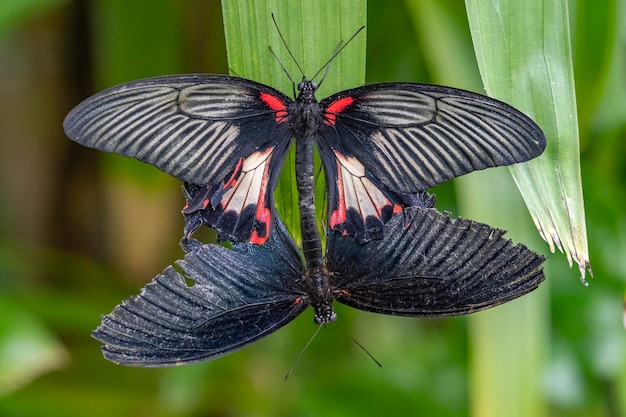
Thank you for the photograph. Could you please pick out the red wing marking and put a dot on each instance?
(232, 181)
(201, 200)
(263, 214)
(277, 105)
(338, 216)
(335, 108)
(251, 189)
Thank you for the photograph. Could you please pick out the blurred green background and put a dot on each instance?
(80, 231)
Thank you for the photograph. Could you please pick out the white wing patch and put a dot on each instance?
(248, 187)
(357, 192)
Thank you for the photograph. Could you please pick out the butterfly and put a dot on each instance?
(218, 300)
(381, 145)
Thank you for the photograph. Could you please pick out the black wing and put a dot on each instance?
(411, 137)
(430, 265)
(226, 133)
(238, 296)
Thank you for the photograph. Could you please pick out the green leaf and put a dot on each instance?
(507, 344)
(524, 55)
(313, 31)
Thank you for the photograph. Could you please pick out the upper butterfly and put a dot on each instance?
(381, 145)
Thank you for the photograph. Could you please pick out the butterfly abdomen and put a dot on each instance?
(320, 290)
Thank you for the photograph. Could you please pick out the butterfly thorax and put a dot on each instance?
(320, 291)
(305, 112)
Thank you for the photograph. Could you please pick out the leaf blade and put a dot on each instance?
(524, 55)
(312, 31)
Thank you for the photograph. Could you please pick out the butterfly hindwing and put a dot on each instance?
(237, 297)
(242, 207)
(359, 205)
(430, 265)
(411, 137)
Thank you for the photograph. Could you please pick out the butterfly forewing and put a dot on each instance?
(413, 136)
(194, 127)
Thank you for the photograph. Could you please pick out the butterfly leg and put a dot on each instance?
(193, 222)
(193, 216)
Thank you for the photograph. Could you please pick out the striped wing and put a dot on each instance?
(238, 296)
(411, 137)
(228, 134)
(430, 265)
(195, 127)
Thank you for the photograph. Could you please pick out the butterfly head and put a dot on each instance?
(324, 313)
(306, 90)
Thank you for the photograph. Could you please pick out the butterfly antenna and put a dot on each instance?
(295, 362)
(356, 342)
(287, 47)
(367, 352)
(293, 83)
(332, 58)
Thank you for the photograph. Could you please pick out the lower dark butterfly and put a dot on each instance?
(425, 265)
(381, 145)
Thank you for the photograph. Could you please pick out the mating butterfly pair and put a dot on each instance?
(388, 251)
